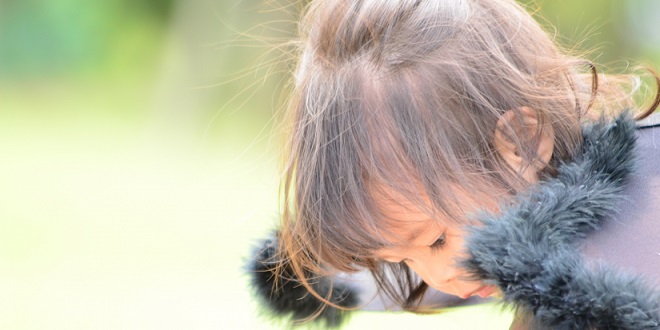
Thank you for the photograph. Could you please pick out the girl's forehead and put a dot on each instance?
(404, 219)
(402, 209)
(409, 203)
(399, 205)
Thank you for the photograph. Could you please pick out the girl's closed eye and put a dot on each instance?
(438, 243)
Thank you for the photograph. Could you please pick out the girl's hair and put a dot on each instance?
(404, 97)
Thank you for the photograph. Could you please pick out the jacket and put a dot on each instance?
(580, 250)
(554, 253)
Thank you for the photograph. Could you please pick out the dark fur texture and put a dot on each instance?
(284, 297)
(529, 249)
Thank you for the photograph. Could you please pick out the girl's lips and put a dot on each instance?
(486, 291)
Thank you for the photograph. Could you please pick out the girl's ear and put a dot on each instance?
(523, 142)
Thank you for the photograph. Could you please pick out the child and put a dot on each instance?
(451, 144)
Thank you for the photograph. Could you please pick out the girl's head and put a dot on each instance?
(408, 116)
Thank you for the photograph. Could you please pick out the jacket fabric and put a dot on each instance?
(578, 251)
(631, 238)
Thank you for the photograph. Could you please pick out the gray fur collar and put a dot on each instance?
(529, 249)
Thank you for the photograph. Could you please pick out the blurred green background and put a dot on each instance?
(138, 159)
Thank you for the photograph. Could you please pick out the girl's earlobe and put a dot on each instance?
(524, 142)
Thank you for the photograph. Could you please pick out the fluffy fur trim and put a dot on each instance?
(529, 249)
(283, 297)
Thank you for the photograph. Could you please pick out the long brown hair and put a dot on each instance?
(404, 96)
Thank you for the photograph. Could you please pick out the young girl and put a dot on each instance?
(451, 145)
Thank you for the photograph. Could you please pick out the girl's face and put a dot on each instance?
(431, 247)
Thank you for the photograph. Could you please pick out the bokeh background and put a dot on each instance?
(139, 156)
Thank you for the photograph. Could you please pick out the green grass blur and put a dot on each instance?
(138, 159)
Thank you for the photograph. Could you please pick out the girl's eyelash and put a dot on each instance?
(439, 242)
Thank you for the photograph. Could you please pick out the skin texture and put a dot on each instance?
(431, 245)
